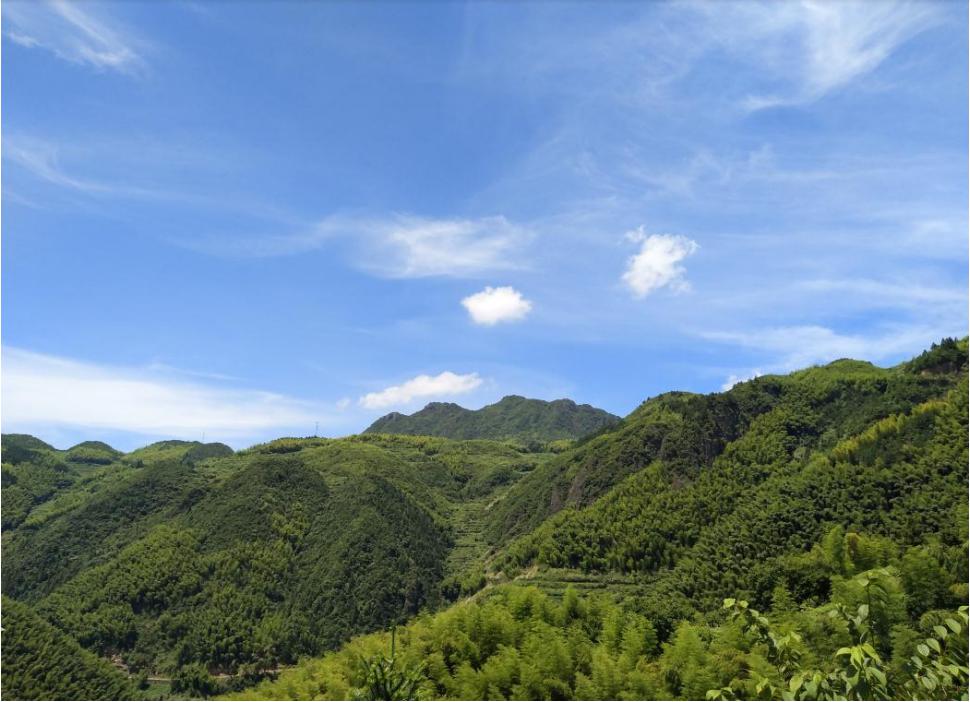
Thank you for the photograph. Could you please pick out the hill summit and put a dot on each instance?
(512, 417)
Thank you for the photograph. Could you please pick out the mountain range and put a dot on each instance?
(729, 545)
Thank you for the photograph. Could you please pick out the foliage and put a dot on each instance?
(518, 643)
(936, 670)
(241, 563)
(194, 681)
(41, 662)
(384, 680)
(771, 492)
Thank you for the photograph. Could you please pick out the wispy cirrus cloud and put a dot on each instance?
(73, 32)
(43, 392)
(803, 49)
(888, 294)
(395, 245)
(815, 47)
(790, 348)
(422, 387)
(99, 169)
(42, 160)
(398, 245)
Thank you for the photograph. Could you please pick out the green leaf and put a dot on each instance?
(923, 649)
(934, 644)
(941, 631)
(954, 625)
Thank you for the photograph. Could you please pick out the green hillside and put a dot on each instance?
(590, 569)
(243, 562)
(512, 417)
(833, 500)
(41, 662)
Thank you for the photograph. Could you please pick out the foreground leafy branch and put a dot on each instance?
(936, 670)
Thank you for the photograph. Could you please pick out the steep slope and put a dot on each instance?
(848, 489)
(256, 558)
(679, 435)
(41, 662)
(513, 417)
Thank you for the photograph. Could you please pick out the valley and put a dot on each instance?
(607, 564)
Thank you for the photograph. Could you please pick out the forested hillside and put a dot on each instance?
(41, 662)
(832, 500)
(512, 417)
(180, 555)
(803, 533)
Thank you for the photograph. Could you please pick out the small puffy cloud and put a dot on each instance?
(494, 305)
(422, 386)
(657, 264)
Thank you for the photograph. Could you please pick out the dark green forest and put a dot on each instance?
(801, 537)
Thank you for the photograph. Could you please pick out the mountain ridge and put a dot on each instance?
(512, 417)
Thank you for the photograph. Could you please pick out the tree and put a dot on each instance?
(194, 680)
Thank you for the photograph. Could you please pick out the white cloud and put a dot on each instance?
(41, 391)
(71, 33)
(399, 246)
(447, 247)
(795, 347)
(818, 47)
(735, 379)
(657, 264)
(41, 159)
(422, 386)
(494, 305)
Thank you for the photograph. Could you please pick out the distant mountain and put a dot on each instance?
(512, 417)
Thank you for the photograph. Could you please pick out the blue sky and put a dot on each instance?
(241, 219)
